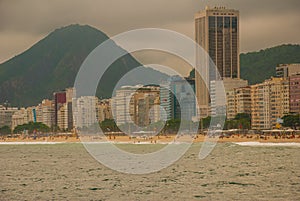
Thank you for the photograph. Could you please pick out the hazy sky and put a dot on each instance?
(264, 23)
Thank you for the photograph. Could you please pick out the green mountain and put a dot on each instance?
(52, 64)
(259, 66)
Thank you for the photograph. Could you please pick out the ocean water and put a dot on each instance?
(230, 172)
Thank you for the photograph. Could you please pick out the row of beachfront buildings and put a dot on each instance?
(59, 112)
(269, 101)
(266, 102)
(138, 104)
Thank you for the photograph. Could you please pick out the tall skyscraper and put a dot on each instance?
(217, 32)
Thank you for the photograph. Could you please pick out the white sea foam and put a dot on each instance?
(268, 144)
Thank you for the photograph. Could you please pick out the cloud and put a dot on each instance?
(114, 15)
(264, 23)
(269, 31)
(14, 43)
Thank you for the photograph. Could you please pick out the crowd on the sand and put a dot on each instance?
(154, 139)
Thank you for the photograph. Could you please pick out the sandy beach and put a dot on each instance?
(155, 139)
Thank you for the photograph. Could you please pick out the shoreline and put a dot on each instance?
(154, 140)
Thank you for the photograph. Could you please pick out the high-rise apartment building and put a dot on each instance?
(104, 109)
(62, 117)
(30, 113)
(219, 99)
(20, 117)
(238, 101)
(146, 106)
(269, 101)
(85, 112)
(122, 109)
(6, 114)
(165, 101)
(294, 82)
(291, 72)
(177, 98)
(70, 94)
(59, 102)
(63, 108)
(137, 104)
(286, 70)
(47, 109)
(242, 100)
(217, 32)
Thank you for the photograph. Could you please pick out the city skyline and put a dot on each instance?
(277, 22)
(217, 30)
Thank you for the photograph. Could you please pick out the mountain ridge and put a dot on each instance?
(52, 64)
(266, 60)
